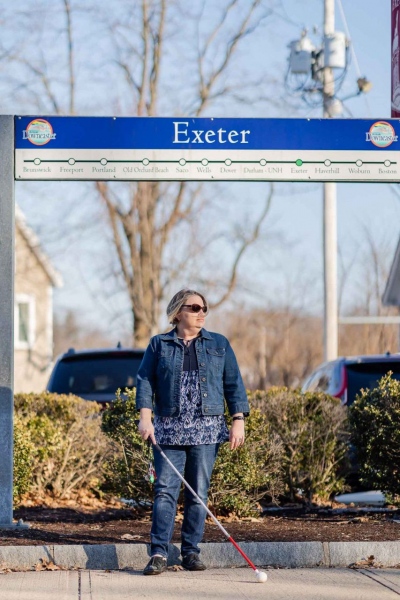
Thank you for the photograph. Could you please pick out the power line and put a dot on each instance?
(285, 17)
(353, 51)
(346, 27)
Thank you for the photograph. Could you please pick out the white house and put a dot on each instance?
(35, 279)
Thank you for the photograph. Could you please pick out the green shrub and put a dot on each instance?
(125, 472)
(311, 428)
(68, 446)
(240, 478)
(23, 451)
(375, 433)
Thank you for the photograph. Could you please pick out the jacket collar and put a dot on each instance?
(173, 336)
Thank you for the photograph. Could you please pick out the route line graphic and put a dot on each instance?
(205, 162)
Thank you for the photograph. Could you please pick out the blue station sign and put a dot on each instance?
(180, 148)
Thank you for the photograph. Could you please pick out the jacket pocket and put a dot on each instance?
(216, 351)
(216, 356)
(165, 360)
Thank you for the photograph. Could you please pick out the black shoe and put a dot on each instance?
(192, 562)
(155, 566)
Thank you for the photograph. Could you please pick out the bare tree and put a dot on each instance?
(71, 332)
(136, 228)
(142, 40)
(276, 346)
(374, 258)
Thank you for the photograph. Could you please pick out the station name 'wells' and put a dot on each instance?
(184, 135)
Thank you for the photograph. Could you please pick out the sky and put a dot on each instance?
(361, 207)
(286, 265)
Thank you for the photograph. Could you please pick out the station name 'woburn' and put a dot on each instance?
(184, 135)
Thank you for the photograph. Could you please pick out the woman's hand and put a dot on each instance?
(236, 434)
(146, 430)
(146, 427)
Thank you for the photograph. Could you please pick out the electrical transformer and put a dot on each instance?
(335, 50)
(301, 56)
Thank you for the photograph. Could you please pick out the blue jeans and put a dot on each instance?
(195, 463)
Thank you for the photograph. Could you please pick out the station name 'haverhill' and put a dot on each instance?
(184, 135)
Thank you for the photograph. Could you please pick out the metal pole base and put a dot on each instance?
(19, 525)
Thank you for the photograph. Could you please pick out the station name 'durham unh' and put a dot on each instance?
(184, 135)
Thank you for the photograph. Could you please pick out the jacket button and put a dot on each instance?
(202, 364)
(205, 395)
(203, 378)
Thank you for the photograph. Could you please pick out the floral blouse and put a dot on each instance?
(191, 427)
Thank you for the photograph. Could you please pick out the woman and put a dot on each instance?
(184, 377)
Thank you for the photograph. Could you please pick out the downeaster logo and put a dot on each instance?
(382, 134)
(39, 132)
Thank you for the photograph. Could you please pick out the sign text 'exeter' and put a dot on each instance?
(184, 135)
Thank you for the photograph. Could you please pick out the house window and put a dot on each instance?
(24, 321)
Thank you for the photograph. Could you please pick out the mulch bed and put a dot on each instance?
(63, 525)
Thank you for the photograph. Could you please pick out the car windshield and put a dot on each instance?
(367, 375)
(96, 374)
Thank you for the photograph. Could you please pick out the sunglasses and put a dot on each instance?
(196, 308)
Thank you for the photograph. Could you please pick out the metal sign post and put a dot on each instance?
(168, 149)
(6, 317)
(395, 59)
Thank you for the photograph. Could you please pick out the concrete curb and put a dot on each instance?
(223, 555)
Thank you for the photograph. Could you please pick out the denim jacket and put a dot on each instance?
(159, 376)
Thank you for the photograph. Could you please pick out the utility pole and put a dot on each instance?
(316, 74)
(330, 211)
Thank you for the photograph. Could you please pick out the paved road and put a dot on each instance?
(214, 584)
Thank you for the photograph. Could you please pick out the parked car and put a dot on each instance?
(344, 377)
(95, 374)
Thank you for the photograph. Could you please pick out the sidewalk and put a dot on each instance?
(221, 584)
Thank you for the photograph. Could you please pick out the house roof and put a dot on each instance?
(33, 242)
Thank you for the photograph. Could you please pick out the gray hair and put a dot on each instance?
(177, 301)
